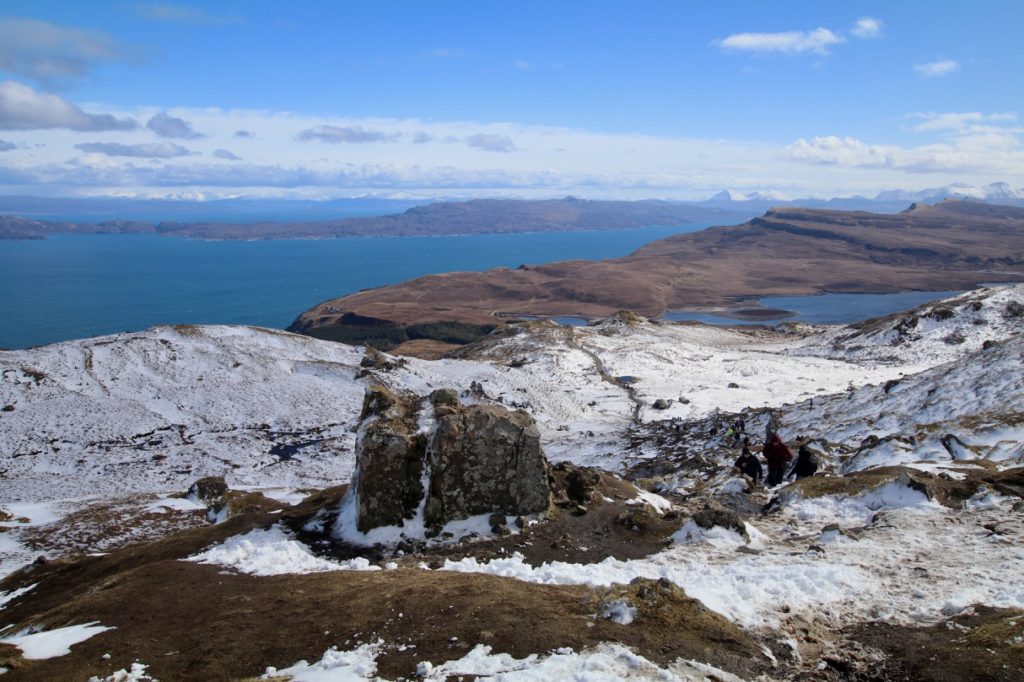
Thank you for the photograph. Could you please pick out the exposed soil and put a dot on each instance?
(190, 621)
(985, 645)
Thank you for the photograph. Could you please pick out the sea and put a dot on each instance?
(72, 287)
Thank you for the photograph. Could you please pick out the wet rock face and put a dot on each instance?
(481, 459)
(389, 459)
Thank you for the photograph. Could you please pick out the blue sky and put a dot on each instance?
(662, 99)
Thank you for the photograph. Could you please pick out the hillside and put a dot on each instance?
(673, 567)
(789, 251)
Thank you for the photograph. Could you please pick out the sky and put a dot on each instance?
(655, 99)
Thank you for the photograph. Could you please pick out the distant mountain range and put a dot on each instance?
(477, 216)
(889, 201)
(37, 218)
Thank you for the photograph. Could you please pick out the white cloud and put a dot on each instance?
(548, 161)
(339, 135)
(491, 142)
(867, 27)
(790, 42)
(958, 121)
(6, 146)
(172, 127)
(226, 155)
(48, 53)
(943, 67)
(22, 108)
(984, 149)
(524, 65)
(245, 134)
(153, 150)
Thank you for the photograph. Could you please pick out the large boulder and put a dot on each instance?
(485, 459)
(480, 459)
(389, 460)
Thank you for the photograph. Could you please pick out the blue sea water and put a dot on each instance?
(79, 286)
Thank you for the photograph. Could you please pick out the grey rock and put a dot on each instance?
(389, 460)
(485, 459)
(480, 459)
(209, 489)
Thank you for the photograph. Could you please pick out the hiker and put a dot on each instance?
(738, 430)
(806, 463)
(777, 454)
(749, 466)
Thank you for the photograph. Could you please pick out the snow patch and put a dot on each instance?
(619, 611)
(136, 674)
(53, 643)
(273, 551)
(334, 666)
(660, 504)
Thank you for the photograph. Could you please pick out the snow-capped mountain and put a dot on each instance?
(996, 192)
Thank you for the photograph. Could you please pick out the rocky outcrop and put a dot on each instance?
(446, 460)
(389, 460)
(485, 459)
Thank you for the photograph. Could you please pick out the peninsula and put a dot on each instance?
(791, 251)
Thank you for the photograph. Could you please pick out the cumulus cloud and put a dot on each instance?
(6, 146)
(943, 67)
(344, 135)
(47, 52)
(244, 134)
(867, 27)
(789, 42)
(226, 155)
(988, 152)
(491, 142)
(155, 150)
(172, 127)
(22, 108)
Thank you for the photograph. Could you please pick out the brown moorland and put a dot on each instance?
(791, 251)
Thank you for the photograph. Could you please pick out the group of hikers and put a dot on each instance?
(777, 457)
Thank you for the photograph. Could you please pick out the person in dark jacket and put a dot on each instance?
(749, 466)
(806, 463)
(777, 454)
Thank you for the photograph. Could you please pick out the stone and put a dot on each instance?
(209, 489)
(662, 404)
(714, 515)
(580, 483)
(486, 459)
(479, 459)
(374, 359)
(389, 460)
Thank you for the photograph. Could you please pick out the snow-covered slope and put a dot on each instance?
(158, 409)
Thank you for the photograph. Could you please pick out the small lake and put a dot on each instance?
(822, 309)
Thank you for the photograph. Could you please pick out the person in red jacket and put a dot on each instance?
(777, 455)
